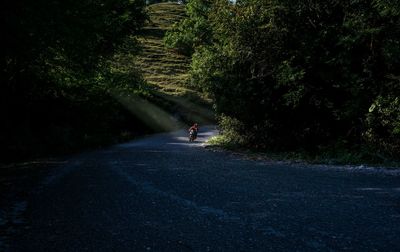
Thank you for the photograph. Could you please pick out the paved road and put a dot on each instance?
(161, 193)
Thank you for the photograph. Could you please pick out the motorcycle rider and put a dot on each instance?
(195, 129)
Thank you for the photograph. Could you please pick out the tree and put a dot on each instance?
(193, 31)
(54, 53)
(300, 74)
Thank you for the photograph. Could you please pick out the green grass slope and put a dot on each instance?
(166, 71)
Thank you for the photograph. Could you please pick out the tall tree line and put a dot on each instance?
(294, 74)
(56, 74)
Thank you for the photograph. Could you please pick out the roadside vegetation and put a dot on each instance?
(315, 77)
(283, 76)
(58, 73)
(83, 74)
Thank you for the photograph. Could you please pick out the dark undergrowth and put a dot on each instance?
(338, 155)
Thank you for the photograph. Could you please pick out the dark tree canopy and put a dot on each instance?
(290, 74)
(54, 63)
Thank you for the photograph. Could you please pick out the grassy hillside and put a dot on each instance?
(166, 71)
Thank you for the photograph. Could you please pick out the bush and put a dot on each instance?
(383, 122)
(55, 78)
(301, 75)
(193, 31)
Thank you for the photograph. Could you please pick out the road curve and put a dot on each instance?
(161, 193)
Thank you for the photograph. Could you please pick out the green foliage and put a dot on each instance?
(56, 73)
(301, 74)
(383, 122)
(193, 31)
(230, 127)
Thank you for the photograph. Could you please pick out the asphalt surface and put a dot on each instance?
(161, 193)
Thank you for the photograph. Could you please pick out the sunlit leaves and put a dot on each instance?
(305, 73)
